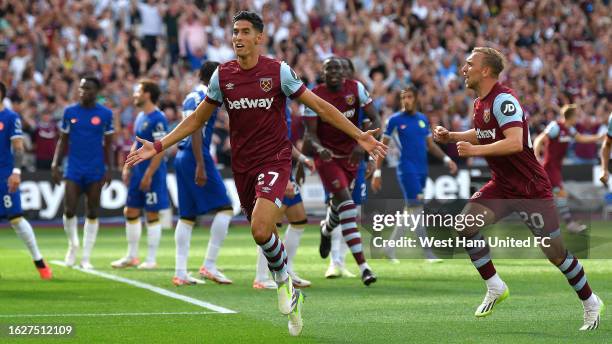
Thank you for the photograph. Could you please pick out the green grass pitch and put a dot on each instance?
(413, 302)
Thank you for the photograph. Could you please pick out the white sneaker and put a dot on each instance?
(299, 282)
(576, 227)
(592, 315)
(125, 262)
(86, 265)
(147, 266)
(285, 294)
(71, 255)
(333, 271)
(492, 298)
(215, 276)
(267, 284)
(296, 323)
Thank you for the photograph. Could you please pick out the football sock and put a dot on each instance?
(575, 275)
(182, 239)
(133, 230)
(25, 232)
(338, 248)
(563, 208)
(70, 227)
(218, 232)
(332, 221)
(348, 224)
(275, 253)
(261, 273)
(495, 282)
(153, 238)
(292, 242)
(478, 250)
(90, 232)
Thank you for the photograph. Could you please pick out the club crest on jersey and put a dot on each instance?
(350, 99)
(95, 120)
(486, 115)
(422, 124)
(265, 84)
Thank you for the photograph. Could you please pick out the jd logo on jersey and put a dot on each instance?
(265, 84)
(508, 108)
(95, 120)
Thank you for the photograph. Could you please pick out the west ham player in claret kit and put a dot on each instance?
(518, 184)
(337, 158)
(555, 141)
(254, 89)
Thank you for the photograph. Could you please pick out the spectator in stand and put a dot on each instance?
(45, 140)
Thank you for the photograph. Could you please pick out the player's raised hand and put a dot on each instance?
(147, 151)
(441, 135)
(465, 149)
(368, 141)
(13, 182)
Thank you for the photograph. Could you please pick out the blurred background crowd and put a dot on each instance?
(558, 52)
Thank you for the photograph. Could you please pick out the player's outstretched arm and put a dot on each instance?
(585, 138)
(186, 127)
(605, 159)
(538, 144)
(334, 117)
(511, 144)
(444, 136)
(196, 145)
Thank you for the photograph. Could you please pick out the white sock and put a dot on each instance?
(133, 230)
(182, 239)
(261, 273)
(90, 231)
(364, 266)
(153, 239)
(344, 249)
(590, 302)
(25, 232)
(70, 227)
(495, 282)
(218, 232)
(336, 240)
(292, 241)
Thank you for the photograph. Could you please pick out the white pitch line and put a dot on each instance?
(152, 288)
(100, 314)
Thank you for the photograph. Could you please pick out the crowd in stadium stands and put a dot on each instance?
(558, 52)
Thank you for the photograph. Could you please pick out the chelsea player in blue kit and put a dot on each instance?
(11, 151)
(147, 188)
(87, 129)
(200, 190)
(411, 132)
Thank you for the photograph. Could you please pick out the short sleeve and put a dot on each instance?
(507, 111)
(552, 130)
(189, 106)
(214, 94)
(610, 126)
(161, 128)
(16, 130)
(109, 128)
(390, 127)
(364, 96)
(291, 85)
(65, 123)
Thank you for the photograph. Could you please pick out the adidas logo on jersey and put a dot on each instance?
(247, 103)
(485, 134)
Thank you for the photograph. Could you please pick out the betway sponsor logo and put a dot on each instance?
(485, 134)
(247, 103)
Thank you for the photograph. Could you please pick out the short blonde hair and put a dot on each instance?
(493, 59)
(568, 111)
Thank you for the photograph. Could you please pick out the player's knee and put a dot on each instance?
(261, 229)
(69, 213)
(190, 220)
(131, 212)
(92, 213)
